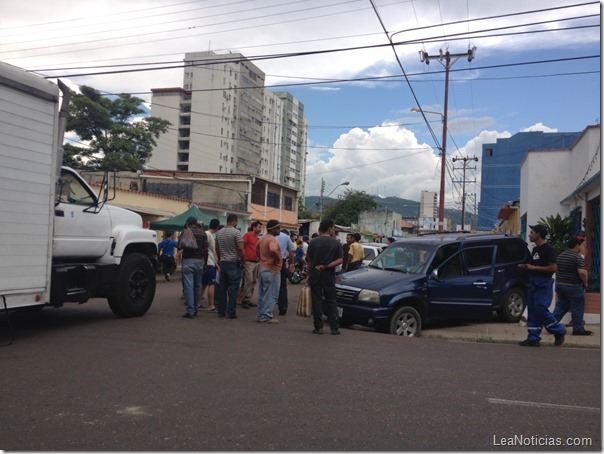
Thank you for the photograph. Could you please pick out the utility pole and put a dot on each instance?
(464, 167)
(450, 60)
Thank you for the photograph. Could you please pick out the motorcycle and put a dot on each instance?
(298, 274)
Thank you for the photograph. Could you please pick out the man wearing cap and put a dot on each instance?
(571, 282)
(540, 292)
(271, 262)
(193, 262)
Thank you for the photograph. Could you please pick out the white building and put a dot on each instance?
(225, 121)
(564, 181)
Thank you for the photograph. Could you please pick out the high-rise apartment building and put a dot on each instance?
(428, 205)
(225, 121)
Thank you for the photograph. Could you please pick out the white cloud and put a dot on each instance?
(383, 160)
(540, 127)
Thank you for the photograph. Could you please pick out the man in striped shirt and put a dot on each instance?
(571, 281)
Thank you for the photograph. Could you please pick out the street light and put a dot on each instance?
(443, 167)
(346, 183)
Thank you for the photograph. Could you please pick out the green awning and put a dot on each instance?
(177, 223)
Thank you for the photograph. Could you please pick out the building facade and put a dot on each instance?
(500, 163)
(566, 182)
(225, 121)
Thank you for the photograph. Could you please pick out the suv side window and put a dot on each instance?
(451, 268)
(479, 260)
(510, 250)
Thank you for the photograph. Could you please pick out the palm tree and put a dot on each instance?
(560, 230)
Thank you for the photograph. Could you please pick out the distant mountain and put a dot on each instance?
(406, 208)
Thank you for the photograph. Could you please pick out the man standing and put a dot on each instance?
(229, 251)
(250, 267)
(571, 281)
(165, 250)
(323, 256)
(355, 253)
(287, 253)
(271, 263)
(209, 277)
(540, 292)
(193, 264)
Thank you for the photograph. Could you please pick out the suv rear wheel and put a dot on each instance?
(513, 305)
(406, 322)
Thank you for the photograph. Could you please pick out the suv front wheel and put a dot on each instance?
(513, 305)
(406, 322)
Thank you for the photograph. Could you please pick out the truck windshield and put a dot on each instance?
(70, 190)
(404, 257)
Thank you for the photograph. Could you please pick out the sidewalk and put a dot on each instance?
(508, 333)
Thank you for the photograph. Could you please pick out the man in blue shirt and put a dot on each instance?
(165, 250)
(287, 252)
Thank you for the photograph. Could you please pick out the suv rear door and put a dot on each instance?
(462, 286)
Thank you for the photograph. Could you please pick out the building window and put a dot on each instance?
(272, 200)
(288, 203)
(488, 152)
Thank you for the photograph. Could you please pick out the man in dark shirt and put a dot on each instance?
(194, 261)
(540, 292)
(323, 256)
(571, 281)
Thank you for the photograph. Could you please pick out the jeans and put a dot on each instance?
(283, 290)
(323, 292)
(268, 292)
(192, 270)
(168, 265)
(228, 287)
(571, 297)
(540, 293)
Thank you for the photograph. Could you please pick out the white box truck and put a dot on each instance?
(59, 241)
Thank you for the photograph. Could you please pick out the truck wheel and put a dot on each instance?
(135, 287)
(513, 305)
(406, 322)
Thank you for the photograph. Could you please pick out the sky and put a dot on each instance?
(536, 67)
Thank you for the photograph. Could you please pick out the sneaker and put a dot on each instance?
(252, 305)
(583, 333)
(168, 277)
(558, 339)
(245, 306)
(269, 321)
(231, 316)
(317, 331)
(335, 332)
(188, 316)
(529, 343)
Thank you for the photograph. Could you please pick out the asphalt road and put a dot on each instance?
(77, 378)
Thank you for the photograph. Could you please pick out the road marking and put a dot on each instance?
(542, 405)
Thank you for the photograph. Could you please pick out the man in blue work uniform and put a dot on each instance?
(540, 292)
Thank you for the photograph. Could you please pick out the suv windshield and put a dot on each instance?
(404, 257)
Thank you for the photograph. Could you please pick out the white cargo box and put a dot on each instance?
(28, 150)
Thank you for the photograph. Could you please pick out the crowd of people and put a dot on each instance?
(224, 266)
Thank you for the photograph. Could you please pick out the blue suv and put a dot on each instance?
(443, 276)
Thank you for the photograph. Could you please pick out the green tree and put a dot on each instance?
(303, 213)
(559, 229)
(116, 140)
(346, 210)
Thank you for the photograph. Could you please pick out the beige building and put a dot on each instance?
(224, 121)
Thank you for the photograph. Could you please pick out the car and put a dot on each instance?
(441, 276)
(371, 251)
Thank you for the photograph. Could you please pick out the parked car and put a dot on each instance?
(371, 251)
(444, 276)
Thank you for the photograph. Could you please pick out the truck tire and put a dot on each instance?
(135, 287)
(406, 321)
(513, 305)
